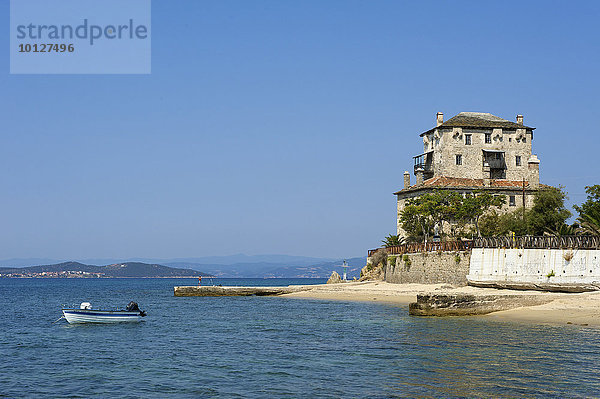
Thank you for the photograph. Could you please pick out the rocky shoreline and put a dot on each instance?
(471, 304)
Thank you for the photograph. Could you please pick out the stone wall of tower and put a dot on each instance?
(450, 142)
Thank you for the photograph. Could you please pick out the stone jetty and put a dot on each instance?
(237, 291)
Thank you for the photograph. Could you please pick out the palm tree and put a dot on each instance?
(393, 240)
(563, 230)
(589, 224)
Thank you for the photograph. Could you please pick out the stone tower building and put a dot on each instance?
(475, 151)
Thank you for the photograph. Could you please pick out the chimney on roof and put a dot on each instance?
(533, 164)
(406, 179)
(419, 176)
(520, 119)
(439, 118)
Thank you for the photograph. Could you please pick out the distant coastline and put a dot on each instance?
(237, 266)
(94, 277)
(117, 270)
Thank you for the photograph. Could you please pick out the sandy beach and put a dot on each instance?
(577, 309)
(562, 308)
(380, 291)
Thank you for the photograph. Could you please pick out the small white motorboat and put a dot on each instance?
(85, 314)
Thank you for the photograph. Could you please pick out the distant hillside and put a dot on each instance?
(277, 270)
(128, 269)
(137, 269)
(282, 266)
(244, 259)
(56, 268)
(290, 260)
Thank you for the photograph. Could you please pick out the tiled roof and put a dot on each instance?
(461, 182)
(479, 120)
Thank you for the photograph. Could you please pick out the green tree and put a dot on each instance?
(475, 205)
(513, 222)
(489, 224)
(547, 214)
(415, 222)
(422, 214)
(548, 211)
(441, 206)
(589, 211)
(592, 205)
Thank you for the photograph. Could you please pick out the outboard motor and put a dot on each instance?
(133, 307)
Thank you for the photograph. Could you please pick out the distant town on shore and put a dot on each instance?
(80, 270)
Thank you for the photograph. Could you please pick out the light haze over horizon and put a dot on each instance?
(273, 127)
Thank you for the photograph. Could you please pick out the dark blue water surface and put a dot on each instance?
(275, 347)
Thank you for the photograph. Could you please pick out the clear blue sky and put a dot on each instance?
(282, 126)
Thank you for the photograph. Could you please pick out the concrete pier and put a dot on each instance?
(237, 291)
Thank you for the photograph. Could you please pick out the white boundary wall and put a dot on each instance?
(523, 266)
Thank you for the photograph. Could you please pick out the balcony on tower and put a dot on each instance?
(424, 162)
(494, 163)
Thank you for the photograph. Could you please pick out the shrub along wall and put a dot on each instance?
(429, 268)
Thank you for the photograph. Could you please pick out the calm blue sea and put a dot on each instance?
(270, 347)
